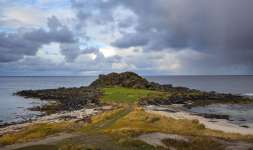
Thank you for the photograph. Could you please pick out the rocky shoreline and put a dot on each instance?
(72, 116)
(73, 99)
(64, 98)
(76, 98)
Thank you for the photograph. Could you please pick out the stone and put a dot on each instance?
(215, 116)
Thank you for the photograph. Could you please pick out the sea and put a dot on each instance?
(15, 108)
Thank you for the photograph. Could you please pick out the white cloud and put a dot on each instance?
(93, 56)
(85, 58)
(108, 52)
(122, 66)
(106, 33)
(51, 52)
(23, 17)
(35, 15)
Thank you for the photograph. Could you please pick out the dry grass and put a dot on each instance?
(139, 121)
(36, 131)
(122, 125)
(99, 119)
(195, 143)
(105, 115)
(69, 146)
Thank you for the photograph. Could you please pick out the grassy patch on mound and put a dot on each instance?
(126, 95)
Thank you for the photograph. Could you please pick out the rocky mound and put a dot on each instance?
(130, 80)
(126, 79)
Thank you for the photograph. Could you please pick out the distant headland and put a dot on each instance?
(76, 98)
(126, 111)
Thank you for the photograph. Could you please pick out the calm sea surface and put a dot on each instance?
(14, 108)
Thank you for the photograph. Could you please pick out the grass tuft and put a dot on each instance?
(35, 132)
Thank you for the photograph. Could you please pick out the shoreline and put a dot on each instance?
(214, 124)
(72, 116)
(175, 112)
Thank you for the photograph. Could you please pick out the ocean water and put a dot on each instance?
(225, 84)
(242, 85)
(238, 114)
(14, 108)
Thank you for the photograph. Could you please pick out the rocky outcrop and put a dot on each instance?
(68, 98)
(76, 98)
(126, 79)
(191, 98)
(131, 80)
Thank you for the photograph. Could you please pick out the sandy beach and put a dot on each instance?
(215, 124)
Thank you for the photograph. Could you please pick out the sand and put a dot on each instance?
(215, 124)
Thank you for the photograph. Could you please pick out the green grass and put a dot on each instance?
(126, 95)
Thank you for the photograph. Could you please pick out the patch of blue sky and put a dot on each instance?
(88, 43)
(53, 4)
(96, 44)
(42, 4)
(7, 29)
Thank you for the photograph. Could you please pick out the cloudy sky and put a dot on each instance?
(151, 37)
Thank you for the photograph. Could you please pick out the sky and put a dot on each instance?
(150, 37)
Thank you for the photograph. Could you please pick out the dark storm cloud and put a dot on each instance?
(216, 24)
(131, 40)
(57, 33)
(222, 29)
(72, 50)
(14, 46)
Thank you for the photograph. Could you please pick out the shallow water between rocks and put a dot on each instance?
(238, 114)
